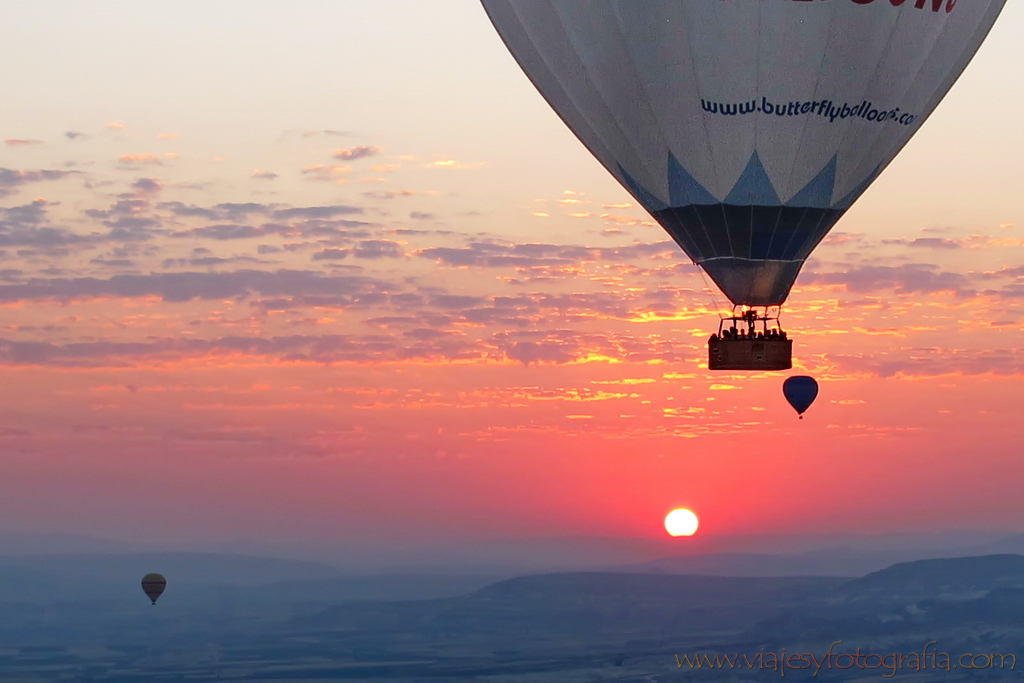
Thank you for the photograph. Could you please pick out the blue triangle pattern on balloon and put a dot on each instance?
(648, 199)
(683, 188)
(754, 187)
(818, 193)
(852, 196)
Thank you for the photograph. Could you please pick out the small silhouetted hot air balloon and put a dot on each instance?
(745, 128)
(153, 585)
(800, 391)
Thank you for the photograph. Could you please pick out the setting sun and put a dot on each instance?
(681, 522)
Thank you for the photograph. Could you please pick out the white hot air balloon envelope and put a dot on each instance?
(745, 127)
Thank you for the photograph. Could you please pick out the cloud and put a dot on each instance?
(929, 242)
(127, 205)
(337, 230)
(129, 218)
(971, 242)
(75, 135)
(911, 278)
(136, 161)
(452, 164)
(44, 238)
(327, 173)
(113, 262)
(235, 209)
(331, 254)
(263, 175)
(935, 362)
(452, 301)
(147, 185)
(11, 179)
(392, 321)
(224, 211)
(527, 352)
(935, 243)
(378, 249)
(181, 287)
(488, 256)
(1005, 271)
(22, 226)
(209, 261)
(428, 333)
(635, 306)
(297, 348)
(837, 238)
(326, 133)
(389, 194)
(1011, 291)
(313, 221)
(224, 231)
(564, 346)
(494, 255)
(556, 346)
(316, 212)
(15, 142)
(356, 153)
(31, 213)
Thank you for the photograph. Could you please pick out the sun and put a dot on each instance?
(681, 522)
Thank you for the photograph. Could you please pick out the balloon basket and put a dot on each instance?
(740, 345)
(750, 354)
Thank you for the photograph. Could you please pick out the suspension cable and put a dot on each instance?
(709, 290)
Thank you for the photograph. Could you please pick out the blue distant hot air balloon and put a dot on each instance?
(800, 391)
(745, 128)
(153, 585)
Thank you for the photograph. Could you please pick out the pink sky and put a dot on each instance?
(328, 329)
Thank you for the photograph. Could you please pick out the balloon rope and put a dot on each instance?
(710, 290)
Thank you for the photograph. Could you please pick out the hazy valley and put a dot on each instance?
(82, 617)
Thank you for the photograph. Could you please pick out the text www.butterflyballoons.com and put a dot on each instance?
(928, 659)
(827, 109)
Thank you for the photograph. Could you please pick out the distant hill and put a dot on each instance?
(651, 607)
(949, 597)
(590, 622)
(939, 576)
(830, 562)
(384, 587)
(853, 561)
(1009, 544)
(647, 605)
(850, 555)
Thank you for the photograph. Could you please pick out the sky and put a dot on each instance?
(335, 271)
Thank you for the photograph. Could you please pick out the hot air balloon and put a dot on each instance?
(746, 128)
(800, 391)
(153, 586)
